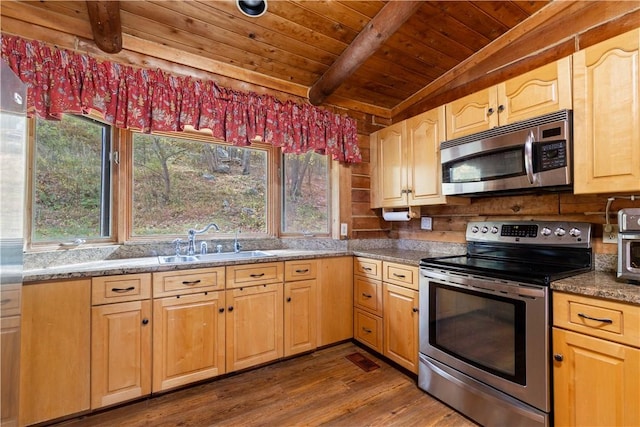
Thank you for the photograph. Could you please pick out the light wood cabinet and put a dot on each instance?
(537, 92)
(606, 79)
(401, 325)
(407, 155)
(55, 350)
(10, 373)
(254, 325)
(596, 367)
(300, 306)
(188, 326)
(335, 300)
(120, 338)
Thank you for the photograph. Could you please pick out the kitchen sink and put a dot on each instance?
(223, 256)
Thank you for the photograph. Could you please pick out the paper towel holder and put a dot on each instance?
(412, 211)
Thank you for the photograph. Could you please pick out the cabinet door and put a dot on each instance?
(10, 373)
(188, 339)
(335, 300)
(606, 80)
(120, 352)
(544, 90)
(401, 326)
(596, 383)
(55, 350)
(473, 113)
(392, 172)
(254, 325)
(299, 316)
(425, 132)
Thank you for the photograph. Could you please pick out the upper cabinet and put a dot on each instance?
(540, 91)
(606, 114)
(407, 169)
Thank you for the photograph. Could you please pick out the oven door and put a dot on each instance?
(491, 330)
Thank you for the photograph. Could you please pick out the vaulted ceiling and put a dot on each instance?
(376, 56)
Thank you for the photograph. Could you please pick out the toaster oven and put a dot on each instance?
(629, 245)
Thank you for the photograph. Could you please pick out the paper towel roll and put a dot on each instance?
(396, 216)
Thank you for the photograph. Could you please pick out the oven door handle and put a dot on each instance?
(528, 157)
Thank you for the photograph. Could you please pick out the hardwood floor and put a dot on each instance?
(322, 388)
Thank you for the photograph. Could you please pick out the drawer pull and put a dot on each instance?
(5, 301)
(402, 276)
(256, 275)
(367, 268)
(306, 270)
(367, 330)
(597, 319)
(191, 283)
(121, 290)
(366, 295)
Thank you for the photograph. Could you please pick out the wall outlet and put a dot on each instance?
(610, 236)
(426, 223)
(343, 229)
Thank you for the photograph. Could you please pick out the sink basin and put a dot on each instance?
(224, 256)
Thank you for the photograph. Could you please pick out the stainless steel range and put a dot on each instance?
(485, 318)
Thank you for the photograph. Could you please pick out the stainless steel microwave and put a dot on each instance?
(529, 155)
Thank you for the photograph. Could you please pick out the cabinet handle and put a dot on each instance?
(366, 268)
(257, 275)
(230, 308)
(490, 111)
(130, 288)
(5, 301)
(288, 299)
(558, 357)
(145, 321)
(367, 330)
(366, 295)
(500, 108)
(221, 309)
(415, 309)
(597, 319)
(306, 270)
(191, 283)
(402, 276)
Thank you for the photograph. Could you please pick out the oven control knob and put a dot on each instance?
(494, 229)
(474, 229)
(560, 232)
(546, 231)
(485, 229)
(575, 232)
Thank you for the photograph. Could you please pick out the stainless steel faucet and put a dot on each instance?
(191, 248)
(237, 246)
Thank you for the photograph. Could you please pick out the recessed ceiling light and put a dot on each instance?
(252, 8)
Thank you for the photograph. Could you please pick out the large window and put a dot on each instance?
(71, 197)
(180, 184)
(306, 194)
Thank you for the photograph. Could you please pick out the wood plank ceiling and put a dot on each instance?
(293, 45)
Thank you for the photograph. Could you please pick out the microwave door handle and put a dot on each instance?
(528, 157)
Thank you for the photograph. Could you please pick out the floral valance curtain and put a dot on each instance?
(62, 81)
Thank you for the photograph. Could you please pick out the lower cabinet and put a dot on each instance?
(401, 325)
(254, 325)
(334, 300)
(188, 339)
(55, 350)
(300, 306)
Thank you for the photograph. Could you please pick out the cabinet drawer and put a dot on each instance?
(10, 300)
(367, 267)
(611, 320)
(171, 283)
(254, 274)
(128, 287)
(367, 294)
(367, 328)
(400, 274)
(300, 270)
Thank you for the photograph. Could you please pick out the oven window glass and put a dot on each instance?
(483, 330)
(485, 167)
(634, 254)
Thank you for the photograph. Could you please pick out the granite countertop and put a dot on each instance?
(601, 284)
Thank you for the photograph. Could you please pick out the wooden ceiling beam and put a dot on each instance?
(104, 17)
(366, 43)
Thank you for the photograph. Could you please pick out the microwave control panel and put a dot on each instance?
(551, 155)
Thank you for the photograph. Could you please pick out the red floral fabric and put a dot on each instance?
(62, 81)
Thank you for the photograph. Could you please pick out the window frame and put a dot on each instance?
(111, 168)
